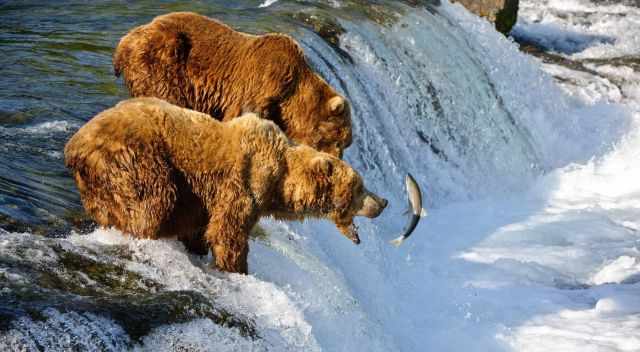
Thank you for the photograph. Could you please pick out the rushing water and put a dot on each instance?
(435, 92)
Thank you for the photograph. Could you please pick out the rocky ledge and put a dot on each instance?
(503, 13)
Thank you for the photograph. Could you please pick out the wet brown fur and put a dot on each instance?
(202, 64)
(152, 169)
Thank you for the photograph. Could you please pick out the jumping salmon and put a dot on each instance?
(414, 196)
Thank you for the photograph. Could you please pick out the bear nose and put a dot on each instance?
(384, 202)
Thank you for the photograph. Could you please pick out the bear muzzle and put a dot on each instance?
(372, 206)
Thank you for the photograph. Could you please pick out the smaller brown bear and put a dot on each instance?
(199, 63)
(152, 169)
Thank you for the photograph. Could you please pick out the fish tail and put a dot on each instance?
(398, 241)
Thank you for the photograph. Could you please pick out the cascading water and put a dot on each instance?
(435, 92)
(406, 83)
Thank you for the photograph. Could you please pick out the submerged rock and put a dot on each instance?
(503, 13)
(73, 220)
(325, 27)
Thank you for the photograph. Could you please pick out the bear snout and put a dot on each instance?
(372, 206)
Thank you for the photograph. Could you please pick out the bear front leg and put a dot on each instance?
(228, 234)
(195, 243)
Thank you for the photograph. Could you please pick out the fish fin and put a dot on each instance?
(398, 241)
(423, 213)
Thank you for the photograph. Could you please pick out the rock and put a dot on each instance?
(503, 13)
(324, 26)
(62, 296)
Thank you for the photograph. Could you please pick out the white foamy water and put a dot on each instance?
(582, 28)
(601, 36)
(52, 126)
(280, 320)
(199, 335)
(42, 128)
(268, 3)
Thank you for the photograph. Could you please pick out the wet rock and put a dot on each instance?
(13, 118)
(322, 20)
(631, 61)
(326, 27)
(549, 57)
(89, 297)
(75, 220)
(503, 13)
(586, 67)
(258, 233)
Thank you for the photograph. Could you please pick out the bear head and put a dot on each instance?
(316, 115)
(321, 185)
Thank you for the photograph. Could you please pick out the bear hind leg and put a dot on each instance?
(134, 195)
(153, 199)
(189, 218)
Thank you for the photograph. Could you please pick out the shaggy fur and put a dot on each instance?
(152, 169)
(201, 64)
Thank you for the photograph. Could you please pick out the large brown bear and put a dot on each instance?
(152, 169)
(201, 64)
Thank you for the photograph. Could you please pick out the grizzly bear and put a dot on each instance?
(152, 169)
(198, 63)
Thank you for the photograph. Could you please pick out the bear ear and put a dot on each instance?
(322, 165)
(336, 105)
